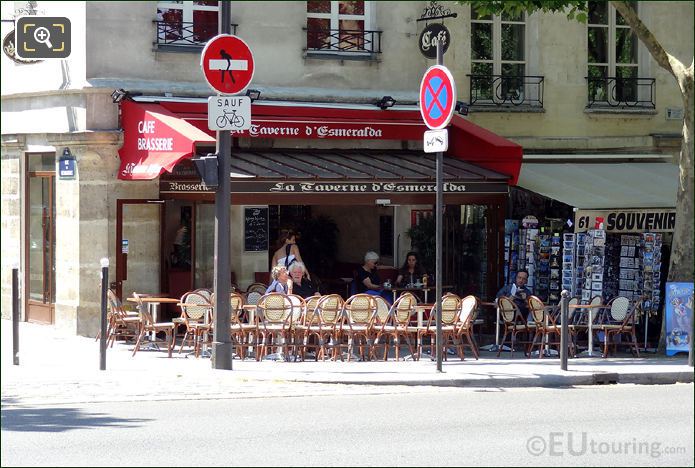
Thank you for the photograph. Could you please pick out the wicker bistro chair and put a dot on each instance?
(619, 319)
(324, 325)
(544, 318)
(451, 305)
(244, 335)
(148, 325)
(274, 323)
(464, 328)
(302, 327)
(381, 319)
(256, 288)
(514, 323)
(296, 335)
(196, 311)
(398, 327)
(359, 313)
(121, 323)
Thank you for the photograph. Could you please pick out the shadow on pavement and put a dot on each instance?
(59, 420)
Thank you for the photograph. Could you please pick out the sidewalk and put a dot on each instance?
(56, 368)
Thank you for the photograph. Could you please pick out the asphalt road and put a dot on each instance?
(616, 425)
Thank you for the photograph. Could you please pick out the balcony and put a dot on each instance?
(621, 93)
(342, 43)
(502, 92)
(185, 36)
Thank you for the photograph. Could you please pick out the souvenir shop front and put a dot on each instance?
(576, 243)
(356, 164)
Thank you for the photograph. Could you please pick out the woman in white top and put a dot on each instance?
(288, 252)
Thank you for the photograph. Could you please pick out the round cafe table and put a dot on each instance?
(396, 291)
(590, 351)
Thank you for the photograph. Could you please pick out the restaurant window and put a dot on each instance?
(340, 27)
(186, 22)
(611, 56)
(498, 56)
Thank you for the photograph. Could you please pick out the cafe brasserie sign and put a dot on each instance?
(335, 187)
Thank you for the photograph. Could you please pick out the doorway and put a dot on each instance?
(40, 238)
(138, 247)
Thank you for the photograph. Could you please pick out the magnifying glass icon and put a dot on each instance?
(43, 36)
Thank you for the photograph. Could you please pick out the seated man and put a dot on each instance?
(301, 285)
(518, 292)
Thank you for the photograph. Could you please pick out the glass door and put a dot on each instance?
(40, 240)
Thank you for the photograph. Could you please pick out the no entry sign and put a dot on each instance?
(437, 97)
(227, 64)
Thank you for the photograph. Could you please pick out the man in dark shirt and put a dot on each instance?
(518, 292)
(301, 286)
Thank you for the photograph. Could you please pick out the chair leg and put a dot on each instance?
(634, 343)
(137, 344)
(171, 335)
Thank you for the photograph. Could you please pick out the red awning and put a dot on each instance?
(154, 140)
(467, 141)
(483, 148)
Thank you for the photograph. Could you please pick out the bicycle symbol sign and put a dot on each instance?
(229, 113)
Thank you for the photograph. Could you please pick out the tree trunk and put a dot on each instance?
(681, 267)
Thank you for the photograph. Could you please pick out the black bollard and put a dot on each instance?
(15, 316)
(104, 289)
(564, 328)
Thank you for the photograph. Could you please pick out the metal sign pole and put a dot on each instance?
(222, 342)
(438, 247)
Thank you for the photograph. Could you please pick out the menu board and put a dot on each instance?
(255, 229)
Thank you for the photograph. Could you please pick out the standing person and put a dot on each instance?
(411, 272)
(281, 281)
(518, 292)
(301, 286)
(368, 280)
(182, 242)
(287, 251)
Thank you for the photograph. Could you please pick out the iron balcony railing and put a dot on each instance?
(506, 91)
(622, 93)
(182, 33)
(343, 41)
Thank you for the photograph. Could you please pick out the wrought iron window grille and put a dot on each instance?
(621, 93)
(435, 11)
(506, 91)
(343, 41)
(185, 33)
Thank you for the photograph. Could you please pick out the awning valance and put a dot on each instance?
(154, 140)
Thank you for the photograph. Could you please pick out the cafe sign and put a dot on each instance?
(307, 187)
(617, 221)
(332, 130)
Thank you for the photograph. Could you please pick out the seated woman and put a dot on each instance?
(281, 281)
(368, 280)
(301, 285)
(411, 272)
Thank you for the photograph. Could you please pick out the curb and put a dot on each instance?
(544, 381)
